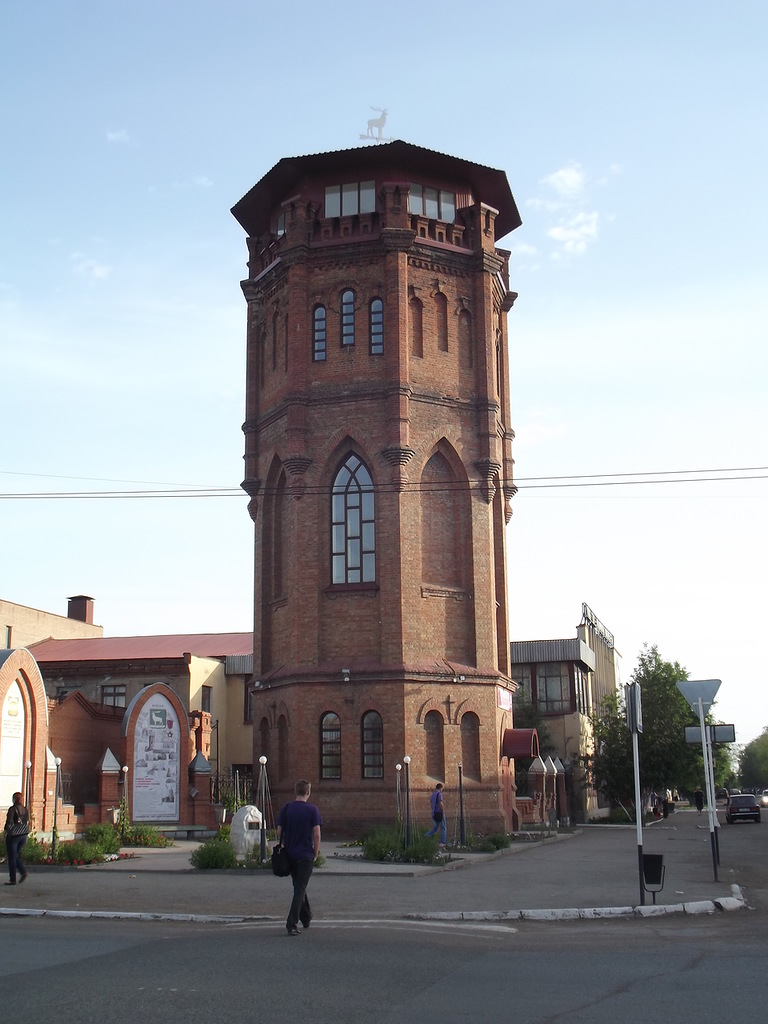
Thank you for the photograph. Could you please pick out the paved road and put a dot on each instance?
(375, 950)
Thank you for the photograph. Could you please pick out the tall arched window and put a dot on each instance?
(465, 339)
(377, 327)
(441, 309)
(417, 327)
(330, 746)
(372, 745)
(442, 525)
(433, 727)
(470, 745)
(319, 341)
(282, 747)
(279, 524)
(348, 317)
(353, 547)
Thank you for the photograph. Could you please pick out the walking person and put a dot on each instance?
(298, 828)
(698, 799)
(16, 832)
(438, 814)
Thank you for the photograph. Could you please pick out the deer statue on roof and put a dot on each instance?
(376, 124)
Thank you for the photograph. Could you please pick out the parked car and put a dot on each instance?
(742, 807)
(764, 798)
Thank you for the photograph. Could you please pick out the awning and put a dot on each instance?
(520, 743)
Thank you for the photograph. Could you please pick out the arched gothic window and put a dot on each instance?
(373, 746)
(348, 317)
(470, 745)
(319, 341)
(377, 327)
(433, 727)
(330, 746)
(353, 547)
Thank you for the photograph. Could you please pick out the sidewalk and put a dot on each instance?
(589, 873)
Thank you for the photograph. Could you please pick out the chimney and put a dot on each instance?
(80, 608)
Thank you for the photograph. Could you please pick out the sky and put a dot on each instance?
(634, 138)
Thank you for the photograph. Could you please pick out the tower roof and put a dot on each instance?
(396, 161)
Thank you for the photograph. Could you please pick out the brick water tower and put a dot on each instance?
(379, 466)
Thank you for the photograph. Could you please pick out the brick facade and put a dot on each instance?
(418, 634)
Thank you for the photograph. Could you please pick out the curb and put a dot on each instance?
(693, 908)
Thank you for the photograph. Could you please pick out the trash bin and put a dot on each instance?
(653, 873)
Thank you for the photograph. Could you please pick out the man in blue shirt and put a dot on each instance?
(438, 814)
(298, 828)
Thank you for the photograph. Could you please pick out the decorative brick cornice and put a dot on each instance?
(488, 470)
(297, 465)
(398, 456)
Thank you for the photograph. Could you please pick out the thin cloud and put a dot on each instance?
(567, 202)
(89, 269)
(575, 234)
(118, 138)
(199, 181)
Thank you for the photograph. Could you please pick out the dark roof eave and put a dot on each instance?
(491, 185)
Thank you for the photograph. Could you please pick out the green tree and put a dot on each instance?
(753, 767)
(610, 766)
(528, 716)
(666, 760)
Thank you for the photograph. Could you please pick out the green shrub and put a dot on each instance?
(145, 835)
(214, 854)
(78, 851)
(105, 837)
(383, 842)
(387, 843)
(499, 840)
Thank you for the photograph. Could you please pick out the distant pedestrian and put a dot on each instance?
(298, 828)
(16, 832)
(698, 799)
(438, 814)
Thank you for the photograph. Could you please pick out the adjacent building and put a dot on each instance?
(566, 681)
(21, 626)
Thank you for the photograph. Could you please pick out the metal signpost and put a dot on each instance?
(700, 694)
(635, 723)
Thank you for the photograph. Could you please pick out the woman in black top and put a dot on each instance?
(16, 832)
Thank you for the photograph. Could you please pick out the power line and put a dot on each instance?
(644, 478)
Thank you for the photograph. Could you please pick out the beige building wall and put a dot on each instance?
(21, 626)
(239, 732)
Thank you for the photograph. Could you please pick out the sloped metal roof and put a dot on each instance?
(136, 648)
(524, 652)
(392, 160)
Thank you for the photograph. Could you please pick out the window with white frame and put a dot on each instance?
(436, 204)
(350, 199)
(353, 537)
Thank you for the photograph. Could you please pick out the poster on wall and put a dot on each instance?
(156, 762)
(11, 745)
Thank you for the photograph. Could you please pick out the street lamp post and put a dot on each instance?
(54, 836)
(263, 806)
(407, 763)
(124, 803)
(398, 770)
(462, 826)
(27, 770)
